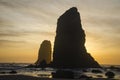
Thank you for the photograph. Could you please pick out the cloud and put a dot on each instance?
(9, 34)
(26, 33)
(24, 21)
(11, 43)
(24, 17)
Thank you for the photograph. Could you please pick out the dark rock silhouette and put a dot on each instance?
(44, 54)
(63, 74)
(96, 71)
(110, 74)
(69, 46)
(43, 64)
(13, 72)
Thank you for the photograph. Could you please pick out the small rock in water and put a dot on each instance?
(2, 72)
(13, 72)
(110, 74)
(96, 71)
(63, 74)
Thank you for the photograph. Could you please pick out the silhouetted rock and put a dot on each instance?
(109, 74)
(63, 74)
(13, 72)
(43, 64)
(44, 53)
(69, 46)
(114, 68)
(96, 71)
(2, 72)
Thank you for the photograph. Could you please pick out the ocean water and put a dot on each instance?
(20, 68)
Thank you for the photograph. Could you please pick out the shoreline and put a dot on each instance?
(26, 77)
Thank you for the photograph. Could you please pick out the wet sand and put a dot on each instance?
(24, 77)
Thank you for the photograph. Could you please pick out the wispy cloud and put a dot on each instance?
(9, 41)
(23, 21)
(11, 44)
(24, 17)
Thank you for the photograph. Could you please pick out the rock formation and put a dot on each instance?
(69, 46)
(44, 53)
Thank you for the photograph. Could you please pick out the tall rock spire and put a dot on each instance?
(69, 46)
(44, 53)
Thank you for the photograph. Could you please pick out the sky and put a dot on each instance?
(24, 24)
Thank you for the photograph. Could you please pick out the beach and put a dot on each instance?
(25, 77)
(20, 72)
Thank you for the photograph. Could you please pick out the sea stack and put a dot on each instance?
(44, 53)
(69, 46)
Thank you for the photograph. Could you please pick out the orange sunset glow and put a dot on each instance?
(24, 24)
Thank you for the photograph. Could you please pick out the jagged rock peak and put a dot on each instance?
(69, 46)
(72, 10)
(71, 13)
(69, 21)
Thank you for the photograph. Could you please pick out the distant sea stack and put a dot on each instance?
(44, 54)
(69, 46)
